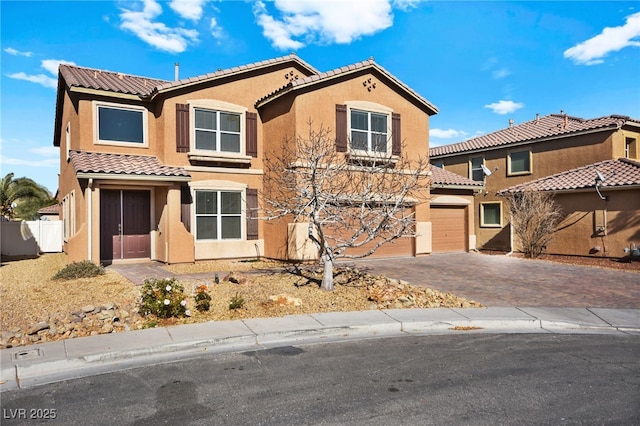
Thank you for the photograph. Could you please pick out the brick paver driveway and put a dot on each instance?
(507, 281)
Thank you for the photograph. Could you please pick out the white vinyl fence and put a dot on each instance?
(31, 238)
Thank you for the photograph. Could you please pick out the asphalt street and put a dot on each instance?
(438, 379)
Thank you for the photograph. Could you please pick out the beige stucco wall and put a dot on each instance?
(579, 233)
(289, 117)
(547, 158)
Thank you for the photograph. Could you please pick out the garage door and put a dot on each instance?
(449, 229)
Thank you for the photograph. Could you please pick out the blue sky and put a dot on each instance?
(481, 63)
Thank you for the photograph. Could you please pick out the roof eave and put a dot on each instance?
(108, 93)
(521, 143)
(132, 177)
(473, 188)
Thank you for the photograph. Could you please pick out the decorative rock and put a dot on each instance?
(88, 309)
(42, 325)
(106, 328)
(285, 299)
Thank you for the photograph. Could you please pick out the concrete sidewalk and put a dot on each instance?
(35, 365)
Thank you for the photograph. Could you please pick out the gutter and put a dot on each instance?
(90, 176)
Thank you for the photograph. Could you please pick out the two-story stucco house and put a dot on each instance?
(559, 154)
(172, 170)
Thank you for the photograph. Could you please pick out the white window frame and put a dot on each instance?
(520, 173)
(370, 107)
(96, 128)
(630, 144)
(218, 107)
(471, 169)
(67, 140)
(483, 224)
(69, 216)
(219, 187)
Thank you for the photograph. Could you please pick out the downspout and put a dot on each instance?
(90, 217)
(510, 234)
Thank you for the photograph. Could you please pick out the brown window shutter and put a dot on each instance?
(341, 128)
(252, 214)
(252, 134)
(182, 128)
(396, 137)
(185, 207)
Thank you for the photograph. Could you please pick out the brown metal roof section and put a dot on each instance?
(552, 126)
(345, 70)
(171, 85)
(617, 174)
(441, 178)
(97, 163)
(89, 78)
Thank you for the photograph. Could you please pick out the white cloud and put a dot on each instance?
(46, 151)
(611, 39)
(446, 134)
(500, 73)
(52, 65)
(157, 34)
(14, 52)
(504, 107)
(216, 30)
(188, 9)
(49, 162)
(49, 65)
(301, 22)
(406, 5)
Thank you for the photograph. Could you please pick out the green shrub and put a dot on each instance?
(236, 302)
(83, 269)
(203, 299)
(163, 298)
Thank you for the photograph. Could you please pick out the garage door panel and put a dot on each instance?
(449, 228)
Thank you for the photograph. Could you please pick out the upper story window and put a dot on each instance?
(438, 163)
(476, 169)
(630, 148)
(369, 131)
(519, 162)
(120, 124)
(217, 130)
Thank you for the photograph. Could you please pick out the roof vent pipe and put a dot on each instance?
(177, 71)
(537, 117)
(511, 122)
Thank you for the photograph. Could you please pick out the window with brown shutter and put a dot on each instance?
(396, 137)
(252, 214)
(185, 206)
(341, 128)
(252, 134)
(182, 128)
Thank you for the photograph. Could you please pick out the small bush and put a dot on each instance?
(203, 299)
(163, 298)
(236, 302)
(83, 269)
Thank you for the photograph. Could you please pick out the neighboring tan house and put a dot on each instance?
(50, 212)
(600, 204)
(532, 150)
(452, 211)
(172, 170)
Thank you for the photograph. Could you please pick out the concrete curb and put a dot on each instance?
(35, 365)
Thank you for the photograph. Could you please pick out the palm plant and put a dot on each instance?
(22, 197)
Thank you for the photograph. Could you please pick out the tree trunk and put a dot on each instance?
(327, 275)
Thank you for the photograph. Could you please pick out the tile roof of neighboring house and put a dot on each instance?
(324, 76)
(441, 178)
(89, 78)
(54, 209)
(129, 166)
(548, 127)
(144, 87)
(617, 174)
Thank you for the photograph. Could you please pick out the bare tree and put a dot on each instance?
(534, 216)
(352, 206)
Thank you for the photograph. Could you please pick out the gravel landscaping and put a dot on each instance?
(36, 308)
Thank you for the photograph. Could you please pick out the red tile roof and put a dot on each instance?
(617, 174)
(89, 78)
(324, 76)
(441, 178)
(144, 87)
(125, 165)
(54, 209)
(548, 127)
